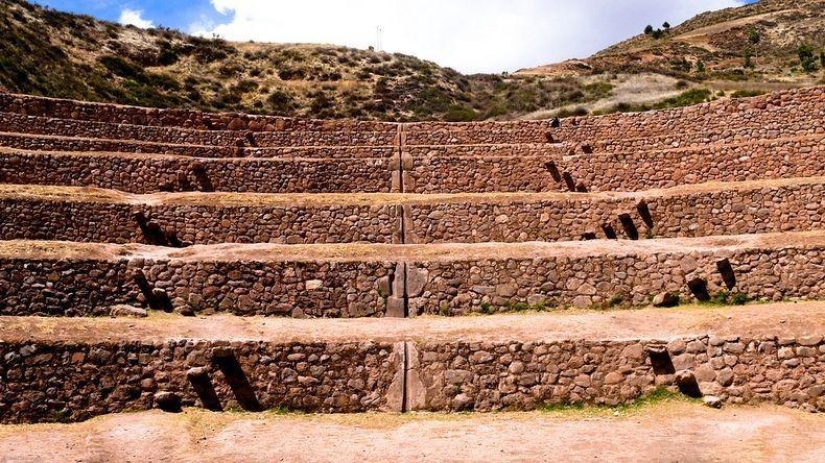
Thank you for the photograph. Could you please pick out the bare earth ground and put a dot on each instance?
(100, 195)
(674, 431)
(782, 320)
(349, 252)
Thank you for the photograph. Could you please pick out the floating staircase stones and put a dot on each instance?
(225, 215)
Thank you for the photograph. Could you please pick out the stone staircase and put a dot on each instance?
(341, 266)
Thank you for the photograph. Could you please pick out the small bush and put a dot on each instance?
(720, 298)
(616, 301)
(122, 68)
(747, 93)
(688, 98)
(460, 114)
(748, 60)
(486, 308)
(575, 112)
(806, 58)
(292, 74)
(246, 86)
(444, 310)
(208, 51)
(726, 298)
(168, 55)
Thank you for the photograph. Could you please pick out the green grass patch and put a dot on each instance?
(726, 298)
(658, 397)
(487, 308)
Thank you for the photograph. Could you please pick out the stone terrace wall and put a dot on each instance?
(738, 210)
(114, 131)
(68, 109)
(726, 163)
(469, 133)
(74, 287)
(465, 376)
(745, 137)
(801, 108)
(67, 381)
(487, 285)
(50, 143)
(471, 174)
(473, 170)
(741, 211)
(539, 276)
(485, 151)
(104, 222)
(74, 381)
(142, 173)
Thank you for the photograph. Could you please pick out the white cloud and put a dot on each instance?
(134, 18)
(469, 35)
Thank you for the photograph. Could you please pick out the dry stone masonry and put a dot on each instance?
(119, 211)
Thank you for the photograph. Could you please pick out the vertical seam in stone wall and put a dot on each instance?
(401, 143)
(405, 364)
(406, 293)
(400, 148)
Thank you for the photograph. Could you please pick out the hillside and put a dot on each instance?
(50, 53)
(45, 52)
(755, 43)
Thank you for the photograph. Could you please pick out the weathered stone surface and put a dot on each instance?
(338, 377)
(127, 311)
(524, 375)
(712, 401)
(665, 300)
(417, 280)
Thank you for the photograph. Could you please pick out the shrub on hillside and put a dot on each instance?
(807, 58)
(280, 101)
(460, 114)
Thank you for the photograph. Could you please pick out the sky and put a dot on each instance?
(468, 35)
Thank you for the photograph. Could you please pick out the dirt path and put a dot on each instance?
(676, 431)
(784, 320)
(106, 196)
(350, 252)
